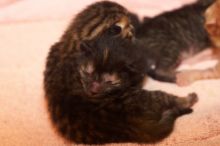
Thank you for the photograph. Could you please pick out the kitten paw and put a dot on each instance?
(186, 78)
(192, 98)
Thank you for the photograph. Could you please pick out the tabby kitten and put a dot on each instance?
(96, 96)
(172, 37)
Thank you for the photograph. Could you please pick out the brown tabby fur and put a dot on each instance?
(93, 83)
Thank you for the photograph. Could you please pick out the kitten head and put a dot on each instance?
(109, 66)
(99, 17)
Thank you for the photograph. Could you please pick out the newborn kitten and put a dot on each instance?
(172, 37)
(212, 25)
(96, 96)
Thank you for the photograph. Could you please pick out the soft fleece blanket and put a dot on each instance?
(27, 30)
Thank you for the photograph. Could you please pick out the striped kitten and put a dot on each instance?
(172, 37)
(96, 96)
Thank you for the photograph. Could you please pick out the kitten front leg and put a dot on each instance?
(187, 77)
(173, 107)
(181, 105)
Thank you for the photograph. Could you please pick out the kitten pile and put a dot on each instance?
(94, 75)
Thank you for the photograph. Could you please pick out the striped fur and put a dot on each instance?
(124, 113)
(94, 20)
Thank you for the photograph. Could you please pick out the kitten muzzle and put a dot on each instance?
(95, 88)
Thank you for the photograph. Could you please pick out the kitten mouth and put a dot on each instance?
(94, 89)
(94, 95)
(90, 94)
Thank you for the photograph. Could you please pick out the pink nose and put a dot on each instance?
(95, 87)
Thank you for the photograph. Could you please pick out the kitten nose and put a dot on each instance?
(95, 87)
